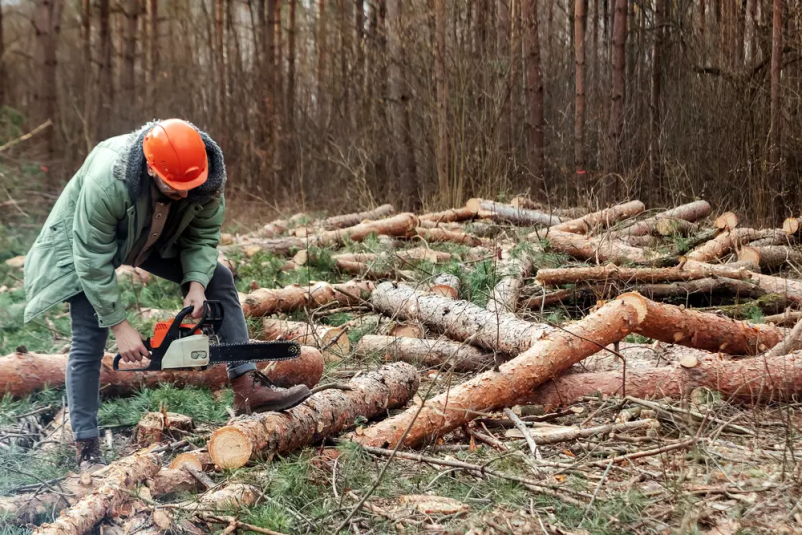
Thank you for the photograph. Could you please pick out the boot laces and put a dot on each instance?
(260, 378)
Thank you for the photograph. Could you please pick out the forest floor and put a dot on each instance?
(735, 471)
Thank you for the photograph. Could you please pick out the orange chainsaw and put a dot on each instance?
(176, 345)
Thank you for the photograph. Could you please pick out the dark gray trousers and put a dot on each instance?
(89, 341)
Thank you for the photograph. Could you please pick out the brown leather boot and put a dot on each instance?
(254, 392)
(88, 454)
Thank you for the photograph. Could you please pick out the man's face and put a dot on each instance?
(168, 191)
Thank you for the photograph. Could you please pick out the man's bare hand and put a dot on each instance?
(195, 298)
(129, 342)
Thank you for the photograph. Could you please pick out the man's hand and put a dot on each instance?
(129, 342)
(195, 298)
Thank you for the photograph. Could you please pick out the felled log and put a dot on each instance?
(792, 225)
(547, 358)
(726, 242)
(611, 272)
(364, 270)
(726, 221)
(563, 213)
(687, 212)
(740, 288)
(446, 285)
(505, 212)
(602, 219)
(333, 342)
(426, 352)
(746, 381)
(154, 427)
(771, 257)
(504, 299)
(674, 227)
(459, 320)
(446, 216)
(773, 237)
(324, 414)
(264, 302)
(199, 460)
(349, 220)
(171, 481)
(675, 325)
(422, 254)
(789, 318)
(435, 235)
(768, 304)
(123, 475)
(597, 248)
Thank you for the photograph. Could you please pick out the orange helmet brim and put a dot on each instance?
(181, 186)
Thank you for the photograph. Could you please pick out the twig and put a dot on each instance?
(647, 453)
(27, 136)
(334, 340)
(202, 478)
(330, 386)
(31, 413)
(596, 492)
(233, 521)
(522, 428)
(668, 408)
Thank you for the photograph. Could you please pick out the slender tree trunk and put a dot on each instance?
(516, 62)
(322, 51)
(152, 65)
(657, 66)
(47, 25)
(345, 44)
(579, 111)
(441, 90)
(269, 52)
(399, 100)
(105, 86)
(502, 49)
(776, 67)
(618, 96)
(751, 30)
(359, 68)
(127, 79)
(291, 71)
(740, 32)
(702, 22)
(278, 79)
(2, 62)
(220, 71)
(86, 65)
(594, 63)
(534, 98)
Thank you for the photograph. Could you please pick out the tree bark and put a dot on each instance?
(349, 220)
(47, 25)
(506, 212)
(675, 325)
(490, 391)
(771, 257)
(123, 475)
(440, 235)
(675, 227)
(426, 352)
(776, 68)
(155, 427)
(322, 53)
(726, 241)
(333, 342)
(506, 292)
(600, 249)
(152, 49)
(105, 98)
(446, 285)
(219, 66)
(618, 93)
(322, 415)
(128, 79)
(447, 216)
(24, 373)
(2, 63)
(596, 221)
(441, 98)
(536, 154)
(655, 155)
(502, 49)
(290, 98)
(264, 302)
(579, 106)
(459, 320)
(609, 273)
(687, 212)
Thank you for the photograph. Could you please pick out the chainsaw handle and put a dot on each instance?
(153, 364)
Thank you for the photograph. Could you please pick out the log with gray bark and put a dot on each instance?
(600, 220)
(686, 212)
(264, 302)
(426, 352)
(505, 212)
(349, 220)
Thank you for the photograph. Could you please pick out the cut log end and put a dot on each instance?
(791, 225)
(749, 254)
(474, 205)
(445, 291)
(186, 459)
(230, 448)
(638, 302)
(726, 221)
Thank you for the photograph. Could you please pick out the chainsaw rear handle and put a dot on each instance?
(212, 313)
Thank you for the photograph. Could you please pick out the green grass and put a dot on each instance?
(199, 403)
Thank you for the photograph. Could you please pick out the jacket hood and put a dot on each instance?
(131, 167)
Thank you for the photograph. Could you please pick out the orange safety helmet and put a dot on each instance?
(177, 154)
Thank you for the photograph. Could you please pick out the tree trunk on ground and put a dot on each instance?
(350, 220)
(264, 302)
(122, 476)
(200, 460)
(618, 94)
(439, 235)
(447, 216)
(767, 304)
(791, 342)
(332, 341)
(655, 125)
(770, 257)
(687, 212)
(600, 220)
(710, 332)
(47, 25)
(726, 221)
(536, 154)
(600, 249)
(446, 285)
(740, 288)
(24, 373)
(675, 227)
(505, 212)
(426, 352)
(776, 110)
(399, 102)
(579, 106)
(155, 427)
(746, 381)
(324, 414)
(789, 318)
(726, 241)
(563, 213)
(555, 277)
(506, 292)
(128, 78)
(459, 320)
(490, 391)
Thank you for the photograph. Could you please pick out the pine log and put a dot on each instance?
(536, 302)
(426, 352)
(726, 242)
(171, 481)
(791, 289)
(687, 212)
(506, 292)
(771, 257)
(446, 285)
(641, 241)
(611, 272)
(675, 227)
(447, 225)
(422, 254)
(710, 332)
(322, 415)
(505, 212)
(264, 302)
(349, 220)
(602, 219)
(789, 318)
(562, 213)
(446, 216)
(768, 304)
(364, 270)
(155, 427)
(24, 373)
(740, 288)
(726, 221)
(333, 342)
(792, 225)
(772, 237)
(123, 475)
(491, 390)
(597, 248)
(746, 381)
(459, 320)
(199, 460)
(436, 235)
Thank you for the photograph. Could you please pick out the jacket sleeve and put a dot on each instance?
(198, 243)
(97, 213)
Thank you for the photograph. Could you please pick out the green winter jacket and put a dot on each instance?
(99, 217)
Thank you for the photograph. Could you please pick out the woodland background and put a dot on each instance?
(349, 103)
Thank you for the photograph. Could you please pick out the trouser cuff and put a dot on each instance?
(86, 435)
(240, 369)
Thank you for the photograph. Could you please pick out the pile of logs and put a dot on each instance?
(508, 355)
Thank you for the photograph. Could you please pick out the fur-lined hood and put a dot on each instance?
(131, 167)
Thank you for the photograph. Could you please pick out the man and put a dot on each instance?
(151, 199)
